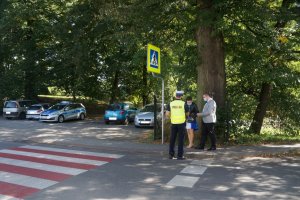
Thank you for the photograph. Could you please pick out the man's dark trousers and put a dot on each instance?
(208, 129)
(180, 130)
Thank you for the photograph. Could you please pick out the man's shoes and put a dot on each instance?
(199, 148)
(212, 149)
(171, 157)
(181, 158)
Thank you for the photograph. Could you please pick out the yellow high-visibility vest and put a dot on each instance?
(177, 112)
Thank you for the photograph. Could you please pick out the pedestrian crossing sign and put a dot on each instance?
(153, 59)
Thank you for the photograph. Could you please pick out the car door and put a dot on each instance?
(67, 112)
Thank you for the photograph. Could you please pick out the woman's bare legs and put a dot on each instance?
(191, 137)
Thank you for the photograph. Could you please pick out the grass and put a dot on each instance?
(251, 139)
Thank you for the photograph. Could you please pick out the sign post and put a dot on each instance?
(153, 66)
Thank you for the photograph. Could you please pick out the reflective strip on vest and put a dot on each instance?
(177, 112)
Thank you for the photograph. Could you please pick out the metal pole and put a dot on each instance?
(162, 106)
(162, 110)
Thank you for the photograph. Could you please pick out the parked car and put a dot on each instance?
(145, 117)
(63, 111)
(120, 112)
(16, 108)
(35, 110)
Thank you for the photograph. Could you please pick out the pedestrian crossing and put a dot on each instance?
(28, 169)
(191, 173)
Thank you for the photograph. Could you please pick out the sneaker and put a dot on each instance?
(171, 157)
(181, 158)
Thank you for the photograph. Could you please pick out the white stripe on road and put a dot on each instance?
(41, 166)
(26, 181)
(53, 157)
(73, 151)
(183, 181)
(204, 162)
(4, 197)
(192, 169)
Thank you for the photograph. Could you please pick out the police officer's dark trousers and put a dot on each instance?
(208, 129)
(177, 129)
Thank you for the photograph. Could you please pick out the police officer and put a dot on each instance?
(177, 112)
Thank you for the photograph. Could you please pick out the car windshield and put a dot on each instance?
(34, 108)
(10, 105)
(150, 108)
(57, 107)
(115, 107)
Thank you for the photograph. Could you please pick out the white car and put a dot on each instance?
(145, 117)
(35, 110)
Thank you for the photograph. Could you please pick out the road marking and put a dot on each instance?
(5, 197)
(26, 181)
(48, 161)
(192, 169)
(53, 157)
(15, 191)
(204, 162)
(72, 155)
(183, 181)
(74, 151)
(41, 166)
(24, 171)
(34, 172)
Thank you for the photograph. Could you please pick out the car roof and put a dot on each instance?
(40, 104)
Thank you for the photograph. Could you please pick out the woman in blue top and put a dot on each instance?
(191, 123)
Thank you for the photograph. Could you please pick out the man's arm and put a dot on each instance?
(210, 109)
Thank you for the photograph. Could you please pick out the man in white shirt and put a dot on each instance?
(209, 119)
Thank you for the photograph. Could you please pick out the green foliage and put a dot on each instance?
(250, 139)
(79, 47)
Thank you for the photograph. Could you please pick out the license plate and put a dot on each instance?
(8, 113)
(145, 122)
(113, 118)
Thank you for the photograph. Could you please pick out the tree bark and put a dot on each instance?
(266, 88)
(261, 109)
(144, 90)
(114, 89)
(211, 55)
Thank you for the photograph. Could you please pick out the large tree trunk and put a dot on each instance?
(30, 76)
(211, 65)
(261, 109)
(144, 90)
(266, 88)
(114, 89)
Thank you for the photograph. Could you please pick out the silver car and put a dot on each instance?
(35, 110)
(16, 108)
(145, 117)
(64, 111)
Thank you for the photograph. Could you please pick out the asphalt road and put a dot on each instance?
(45, 132)
(45, 153)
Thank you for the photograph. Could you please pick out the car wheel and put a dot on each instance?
(106, 122)
(61, 119)
(82, 116)
(8, 118)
